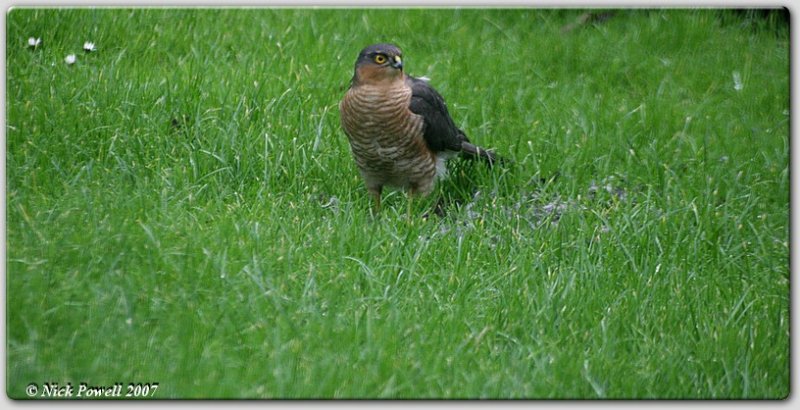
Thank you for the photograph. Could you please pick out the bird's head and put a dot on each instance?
(379, 63)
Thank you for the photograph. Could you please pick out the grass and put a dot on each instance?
(182, 207)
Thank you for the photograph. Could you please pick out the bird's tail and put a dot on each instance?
(472, 151)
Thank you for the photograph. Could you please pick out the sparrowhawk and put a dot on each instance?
(399, 129)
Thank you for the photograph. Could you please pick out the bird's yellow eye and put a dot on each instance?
(380, 58)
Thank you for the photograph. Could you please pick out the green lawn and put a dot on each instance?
(182, 207)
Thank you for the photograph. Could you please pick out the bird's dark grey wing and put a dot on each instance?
(440, 132)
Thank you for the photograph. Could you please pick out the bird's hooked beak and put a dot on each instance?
(397, 62)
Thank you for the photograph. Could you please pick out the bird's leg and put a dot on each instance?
(412, 192)
(375, 193)
(410, 198)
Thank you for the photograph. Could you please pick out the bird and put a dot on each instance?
(398, 126)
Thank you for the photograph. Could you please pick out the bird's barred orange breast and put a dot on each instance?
(386, 138)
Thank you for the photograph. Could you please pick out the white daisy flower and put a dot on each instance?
(34, 42)
(70, 59)
(89, 47)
